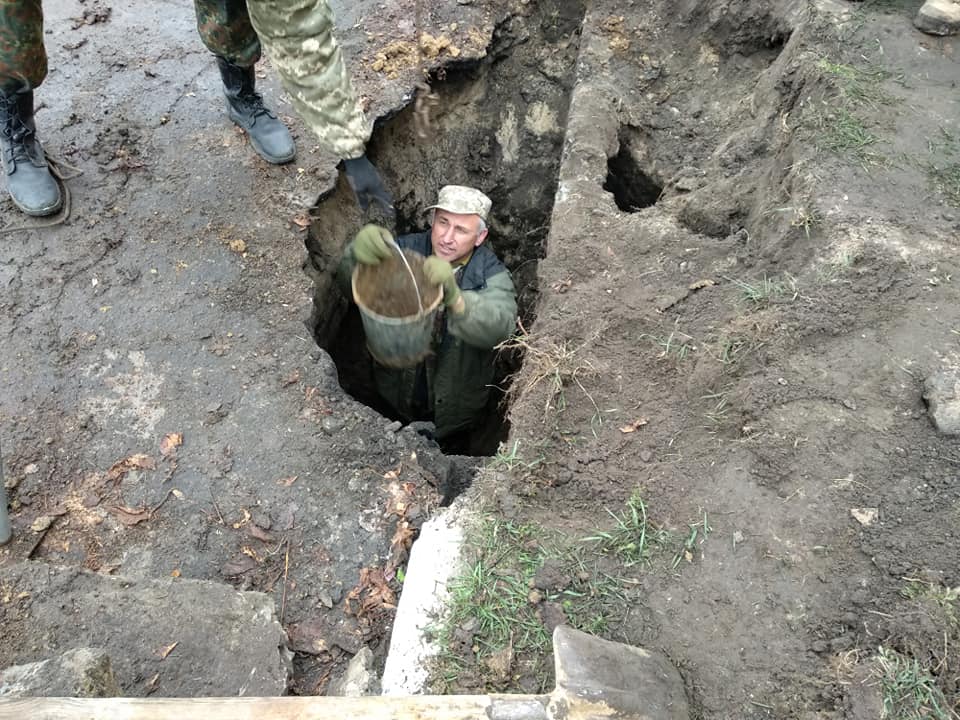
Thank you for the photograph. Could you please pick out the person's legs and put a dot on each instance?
(23, 67)
(225, 29)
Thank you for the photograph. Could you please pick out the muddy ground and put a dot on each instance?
(733, 227)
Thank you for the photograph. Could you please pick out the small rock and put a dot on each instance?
(820, 646)
(938, 17)
(551, 614)
(359, 679)
(839, 644)
(552, 575)
(394, 426)
(941, 393)
(646, 455)
(865, 516)
(31, 469)
(331, 425)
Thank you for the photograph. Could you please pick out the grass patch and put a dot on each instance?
(632, 537)
(676, 346)
(495, 603)
(519, 574)
(557, 364)
(943, 168)
(509, 459)
(909, 690)
(839, 125)
(858, 85)
(844, 133)
(768, 289)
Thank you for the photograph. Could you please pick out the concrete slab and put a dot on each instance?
(174, 637)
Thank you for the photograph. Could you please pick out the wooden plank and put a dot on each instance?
(415, 707)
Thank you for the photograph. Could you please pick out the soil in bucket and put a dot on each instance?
(397, 312)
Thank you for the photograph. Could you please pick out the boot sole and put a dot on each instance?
(39, 212)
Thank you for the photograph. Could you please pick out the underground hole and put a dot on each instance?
(499, 127)
(632, 188)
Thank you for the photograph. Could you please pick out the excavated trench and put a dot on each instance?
(499, 126)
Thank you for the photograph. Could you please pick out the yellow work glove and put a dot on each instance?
(440, 272)
(370, 246)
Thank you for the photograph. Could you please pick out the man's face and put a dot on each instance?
(454, 235)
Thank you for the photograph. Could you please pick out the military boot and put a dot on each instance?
(32, 187)
(269, 137)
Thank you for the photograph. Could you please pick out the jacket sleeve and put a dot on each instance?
(298, 38)
(344, 273)
(490, 315)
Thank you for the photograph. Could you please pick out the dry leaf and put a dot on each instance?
(246, 518)
(134, 462)
(259, 533)
(702, 284)
(164, 651)
(301, 220)
(41, 523)
(287, 481)
(238, 246)
(175, 573)
(130, 516)
(152, 684)
(170, 443)
(634, 426)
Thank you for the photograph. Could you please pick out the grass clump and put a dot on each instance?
(522, 580)
(496, 604)
(909, 690)
(840, 126)
(767, 290)
(632, 536)
(676, 346)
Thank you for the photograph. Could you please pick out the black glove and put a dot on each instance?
(366, 183)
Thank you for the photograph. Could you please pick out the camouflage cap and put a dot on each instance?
(462, 200)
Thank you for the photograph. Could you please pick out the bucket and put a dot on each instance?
(398, 307)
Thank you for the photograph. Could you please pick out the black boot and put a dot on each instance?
(29, 181)
(269, 137)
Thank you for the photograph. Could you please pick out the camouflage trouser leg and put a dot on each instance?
(23, 61)
(225, 29)
(298, 38)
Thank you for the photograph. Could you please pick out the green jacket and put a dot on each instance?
(455, 381)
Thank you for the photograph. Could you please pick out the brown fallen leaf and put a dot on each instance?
(130, 516)
(634, 426)
(170, 443)
(246, 518)
(259, 533)
(134, 462)
(41, 523)
(287, 481)
(175, 573)
(164, 651)
(152, 684)
(301, 220)
(238, 566)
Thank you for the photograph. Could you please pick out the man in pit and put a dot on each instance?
(452, 386)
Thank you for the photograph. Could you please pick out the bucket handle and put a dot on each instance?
(413, 277)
